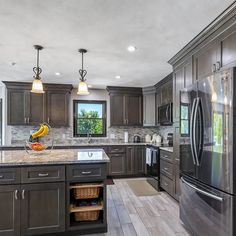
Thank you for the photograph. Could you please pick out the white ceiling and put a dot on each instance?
(158, 28)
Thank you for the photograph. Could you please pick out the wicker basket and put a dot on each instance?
(86, 216)
(86, 191)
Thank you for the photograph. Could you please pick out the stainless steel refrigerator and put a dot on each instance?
(207, 147)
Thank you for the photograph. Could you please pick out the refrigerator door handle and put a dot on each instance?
(194, 131)
(202, 191)
(200, 151)
(191, 131)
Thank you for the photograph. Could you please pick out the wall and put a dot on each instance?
(16, 135)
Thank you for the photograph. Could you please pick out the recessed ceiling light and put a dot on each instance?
(131, 48)
(117, 76)
(90, 86)
(57, 73)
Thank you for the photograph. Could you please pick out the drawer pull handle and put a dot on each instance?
(86, 172)
(16, 194)
(23, 194)
(166, 169)
(1, 176)
(43, 175)
(166, 184)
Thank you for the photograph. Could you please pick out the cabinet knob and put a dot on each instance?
(48, 119)
(23, 194)
(28, 121)
(25, 120)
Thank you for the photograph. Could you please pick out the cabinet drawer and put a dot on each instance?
(86, 172)
(168, 156)
(167, 184)
(9, 175)
(116, 149)
(42, 174)
(166, 168)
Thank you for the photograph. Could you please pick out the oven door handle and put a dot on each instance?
(202, 191)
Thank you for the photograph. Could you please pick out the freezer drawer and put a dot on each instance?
(204, 210)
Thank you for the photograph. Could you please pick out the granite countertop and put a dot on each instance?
(168, 149)
(60, 156)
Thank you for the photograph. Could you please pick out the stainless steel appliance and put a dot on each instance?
(165, 114)
(153, 167)
(137, 139)
(207, 165)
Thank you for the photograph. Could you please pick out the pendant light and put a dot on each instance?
(83, 87)
(37, 86)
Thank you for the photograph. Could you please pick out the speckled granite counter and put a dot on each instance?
(168, 149)
(60, 156)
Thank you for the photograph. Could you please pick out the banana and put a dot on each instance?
(38, 132)
(45, 131)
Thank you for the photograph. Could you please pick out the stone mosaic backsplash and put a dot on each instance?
(64, 135)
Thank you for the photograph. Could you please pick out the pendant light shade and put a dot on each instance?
(82, 87)
(37, 86)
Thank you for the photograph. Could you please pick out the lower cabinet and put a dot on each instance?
(129, 160)
(42, 208)
(32, 209)
(117, 164)
(10, 210)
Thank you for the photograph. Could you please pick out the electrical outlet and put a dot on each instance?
(31, 131)
(112, 136)
(63, 135)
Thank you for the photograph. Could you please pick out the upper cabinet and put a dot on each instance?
(26, 108)
(149, 106)
(125, 106)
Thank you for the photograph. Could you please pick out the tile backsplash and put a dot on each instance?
(64, 135)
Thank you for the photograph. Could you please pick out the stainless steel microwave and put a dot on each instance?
(165, 114)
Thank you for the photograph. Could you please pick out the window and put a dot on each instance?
(184, 119)
(89, 118)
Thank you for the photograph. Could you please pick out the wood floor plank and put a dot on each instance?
(128, 230)
(123, 214)
(138, 225)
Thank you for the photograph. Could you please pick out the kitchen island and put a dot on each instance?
(60, 192)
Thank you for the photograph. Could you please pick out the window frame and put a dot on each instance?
(104, 117)
(180, 118)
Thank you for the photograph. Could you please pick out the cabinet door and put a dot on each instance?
(167, 92)
(130, 154)
(117, 164)
(133, 109)
(36, 108)
(16, 107)
(42, 208)
(57, 108)
(139, 159)
(117, 109)
(149, 110)
(158, 103)
(205, 59)
(10, 210)
(228, 46)
(177, 181)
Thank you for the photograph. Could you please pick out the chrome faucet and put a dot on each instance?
(89, 139)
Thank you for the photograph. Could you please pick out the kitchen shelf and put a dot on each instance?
(86, 208)
(86, 186)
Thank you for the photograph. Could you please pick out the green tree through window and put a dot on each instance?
(89, 118)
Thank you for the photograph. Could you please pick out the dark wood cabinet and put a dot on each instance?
(117, 103)
(125, 106)
(26, 108)
(140, 160)
(10, 210)
(57, 108)
(16, 107)
(130, 164)
(117, 164)
(36, 108)
(42, 208)
(167, 92)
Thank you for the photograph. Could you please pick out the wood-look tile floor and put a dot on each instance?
(129, 215)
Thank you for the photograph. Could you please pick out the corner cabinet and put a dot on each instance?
(125, 106)
(26, 108)
(149, 106)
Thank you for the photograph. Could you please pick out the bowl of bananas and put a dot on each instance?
(39, 142)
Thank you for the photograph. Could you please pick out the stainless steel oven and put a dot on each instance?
(165, 116)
